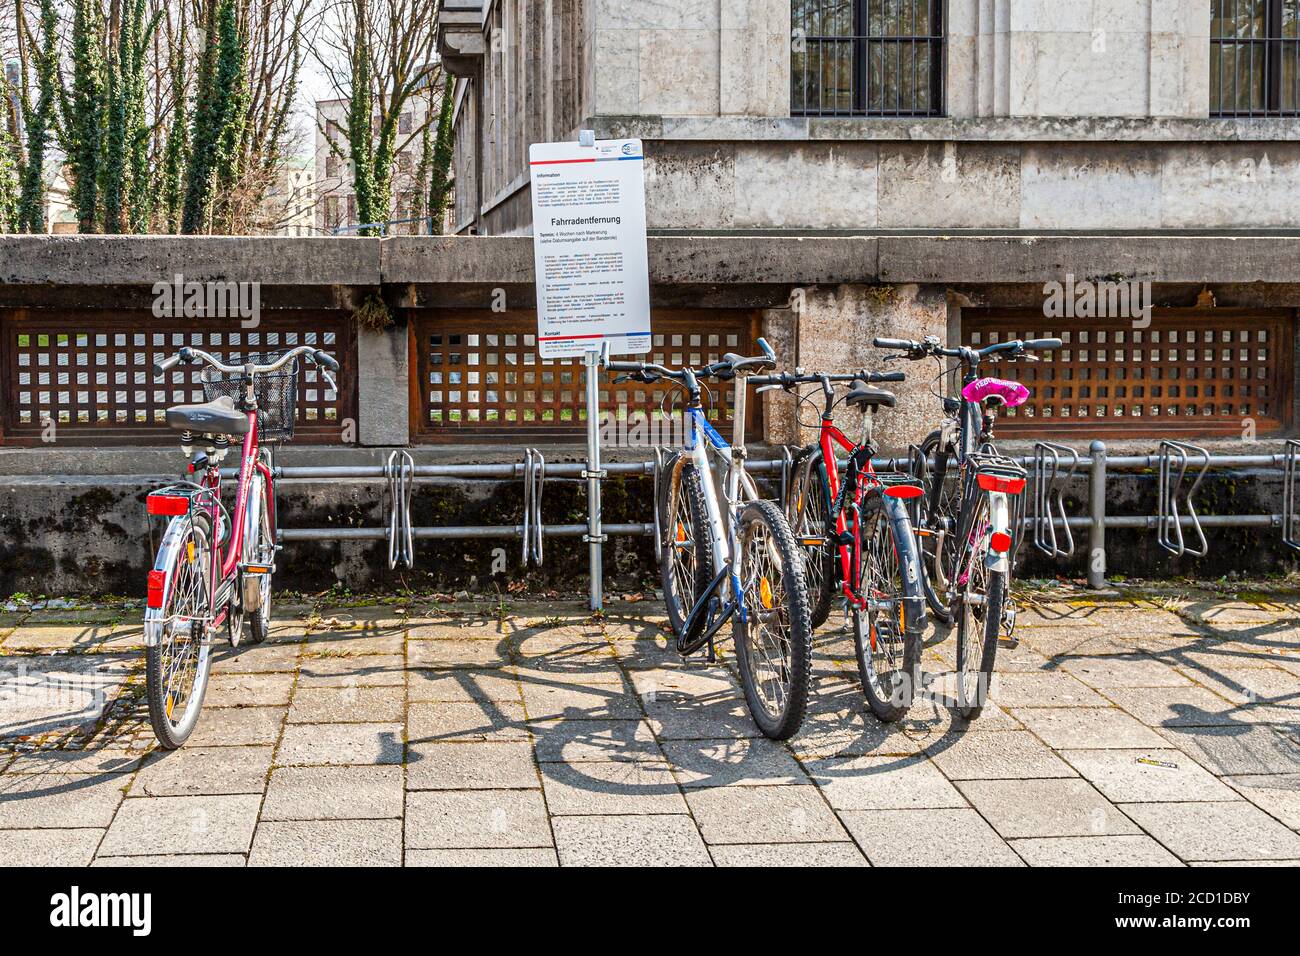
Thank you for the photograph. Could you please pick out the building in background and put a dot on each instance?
(291, 200)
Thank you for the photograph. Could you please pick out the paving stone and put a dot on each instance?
(79, 638)
(328, 843)
(1255, 686)
(1045, 808)
(1115, 671)
(174, 860)
(199, 770)
(463, 686)
(340, 744)
(447, 655)
(764, 815)
(591, 671)
(883, 783)
(1276, 794)
(928, 838)
(856, 733)
(333, 793)
(1237, 749)
(1175, 706)
(166, 825)
(1086, 727)
(580, 741)
(1135, 850)
(268, 658)
(58, 695)
(1122, 779)
(248, 690)
(324, 705)
(622, 787)
(1216, 831)
(788, 854)
(95, 760)
(369, 670)
(237, 726)
(1007, 755)
(693, 704)
(448, 819)
(57, 800)
(72, 847)
(753, 761)
(482, 858)
(555, 701)
(489, 720)
(471, 766)
(358, 643)
(1038, 689)
(641, 841)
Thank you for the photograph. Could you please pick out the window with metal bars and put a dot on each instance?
(1255, 58)
(867, 57)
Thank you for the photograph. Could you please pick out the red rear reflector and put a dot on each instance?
(904, 491)
(1011, 486)
(1000, 542)
(167, 505)
(157, 581)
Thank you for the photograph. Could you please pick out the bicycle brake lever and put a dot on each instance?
(329, 380)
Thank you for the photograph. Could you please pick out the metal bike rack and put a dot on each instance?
(1048, 498)
(400, 472)
(1175, 458)
(1291, 474)
(534, 530)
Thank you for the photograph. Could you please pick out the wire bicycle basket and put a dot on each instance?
(276, 394)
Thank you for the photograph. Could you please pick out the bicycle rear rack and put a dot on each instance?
(1175, 458)
(1048, 499)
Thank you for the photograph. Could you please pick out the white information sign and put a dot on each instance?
(589, 247)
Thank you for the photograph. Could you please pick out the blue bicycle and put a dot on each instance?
(728, 555)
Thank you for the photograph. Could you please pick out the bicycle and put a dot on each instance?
(728, 554)
(857, 538)
(972, 538)
(213, 567)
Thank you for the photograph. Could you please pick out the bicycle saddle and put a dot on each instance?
(1009, 394)
(868, 397)
(217, 417)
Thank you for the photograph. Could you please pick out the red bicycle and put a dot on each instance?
(214, 567)
(857, 539)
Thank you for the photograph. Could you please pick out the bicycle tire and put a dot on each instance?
(921, 519)
(983, 621)
(808, 511)
(260, 551)
(689, 526)
(760, 602)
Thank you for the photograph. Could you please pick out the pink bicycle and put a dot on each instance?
(213, 566)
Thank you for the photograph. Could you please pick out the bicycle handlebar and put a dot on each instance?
(730, 365)
(193, 356)
(930, 346)
(787, 380)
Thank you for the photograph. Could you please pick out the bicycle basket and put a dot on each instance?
(276, 392)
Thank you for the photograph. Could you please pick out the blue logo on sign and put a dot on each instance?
(629, 149)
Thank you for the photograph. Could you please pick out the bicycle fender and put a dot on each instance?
(163, 561)
(909, 559)
(999, 520)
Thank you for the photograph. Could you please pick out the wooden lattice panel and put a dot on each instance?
(481, 378)
(91, 374)
(1191, 372)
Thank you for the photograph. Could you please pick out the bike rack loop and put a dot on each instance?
(1291, 472)
(1174, 459)
(1048, 499)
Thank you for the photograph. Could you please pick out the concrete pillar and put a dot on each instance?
(754, 58)
(383, 402)
(834, 330)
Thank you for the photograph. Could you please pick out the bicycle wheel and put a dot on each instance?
(774, 640)
(687, 561)
(178, 656)
(888, 650)
(981, 595)
(928, 521)
(259, 548)
(808, 510)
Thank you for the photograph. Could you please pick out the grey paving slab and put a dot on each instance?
(340, 744)
(618, 787)
(535, 857)
(57, 800)
(1045, 808)
(1129, 776)
(271, 657)
(166, 825)
(358, 643)
(1042, 689)
(445, 655)
(630, 841)
(471, 766)
(853, 732)
(883, 783)
(78, 638)
(71, 847)
(796, 814)
(594, 671)
(203, 770)
(1278, 795)
(96, 760)
(176, 860)
(449, 819)
(556, 700)
(478, 720)
(788, 854)
(237, 726)
(693, 704)
(325, 705)
(749, 761)
(248, 690)
(334, 793)
(463, 686)
(1116, 671)
(328, 843)
(928, 838)
(1254, 686)
(368, 670)
(1132, 850)
(1006, 755)
(1064, 728)
(1216, 831)
(1237, 749)
(58, 695)
(579, 741)
(1175, 706)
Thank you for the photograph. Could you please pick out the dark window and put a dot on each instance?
(1255, 57)
(867, 57)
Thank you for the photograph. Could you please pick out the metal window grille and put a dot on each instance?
(1190, 373)
(867, 58)
(91, 375)
(1255, 58)
(481, 379)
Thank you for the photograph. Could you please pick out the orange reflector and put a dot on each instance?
(1011, 486)
(1000, 542)
(169, 505)
(765, 593)
(681, 533)
(157, 581)
(905, 491)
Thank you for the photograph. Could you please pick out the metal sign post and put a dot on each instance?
(594, 474)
